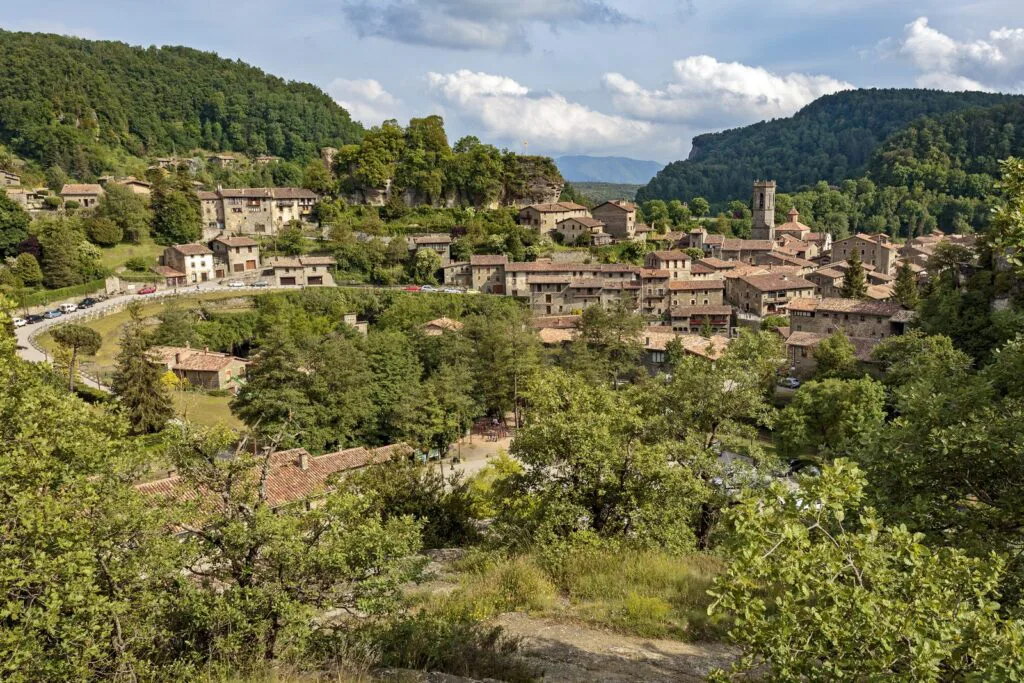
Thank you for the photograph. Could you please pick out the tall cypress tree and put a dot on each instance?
(855, 285)
(905, 289)
(137, 380)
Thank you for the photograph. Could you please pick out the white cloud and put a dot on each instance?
(705, 90)
(472, 24)
(509, 111)
(994, 63)
(365, 99)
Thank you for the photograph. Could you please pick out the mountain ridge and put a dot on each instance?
(583, 168)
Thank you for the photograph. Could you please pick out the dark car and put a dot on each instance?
(88, 302)
(33, 319)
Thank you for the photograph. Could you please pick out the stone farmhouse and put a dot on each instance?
(86, 195)
(865, 322)
(193, 262)
(874, 250)
(619, 218)
(545, 217)
(440, 243)
(312, 271)
(254, 210)
(920, 249)
(437, 327)
(583, 231)
(9, 178)
(235, 256)
(202, 367)
(768, 294)
(696, 319)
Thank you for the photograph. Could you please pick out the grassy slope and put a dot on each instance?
(198, 407)
(115, 257)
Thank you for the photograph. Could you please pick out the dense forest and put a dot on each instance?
(831, 139)
(81, 105)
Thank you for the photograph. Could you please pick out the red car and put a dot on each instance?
(412, 288)
(148, 289)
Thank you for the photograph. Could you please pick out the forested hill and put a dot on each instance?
(77, 103)
(831, 139)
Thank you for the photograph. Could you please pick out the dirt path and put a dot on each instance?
(571, 653)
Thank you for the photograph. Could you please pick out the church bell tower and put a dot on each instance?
(763, 209)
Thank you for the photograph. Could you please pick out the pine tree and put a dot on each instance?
(137, 380)
(905, 290)
(275, 399)
(855, 285)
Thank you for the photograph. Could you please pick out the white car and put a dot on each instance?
(68, 308)
(236, 283)
(19, 322)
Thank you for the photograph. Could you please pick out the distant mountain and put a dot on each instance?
(621, 170)
(831, 139)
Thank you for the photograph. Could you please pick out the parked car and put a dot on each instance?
(261, 283)
(790, 383)
(429, 288)
(148, 289)
(452, 290)
(412, 288)
(19, 322)
(234, 284)
(68, 308)
(33, 319)
(50, 315)
(88, 302)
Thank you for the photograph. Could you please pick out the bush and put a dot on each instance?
(103, 231)
(42, 298)
(492, 584)
(72, 205)
(137, 264)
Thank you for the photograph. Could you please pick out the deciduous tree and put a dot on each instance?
(77, 339)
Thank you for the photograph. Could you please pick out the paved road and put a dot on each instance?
(28, 350)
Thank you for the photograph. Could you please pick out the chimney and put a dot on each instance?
(177, 358)
(303, 460)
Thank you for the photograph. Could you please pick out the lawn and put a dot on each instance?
(114, 257)
(200, 408)
(204, 409)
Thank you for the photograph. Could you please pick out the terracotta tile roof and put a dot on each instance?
(747, 245)
(555, 321)
(718, 264)
(556, 207)
(701, 269)
(432, 239)
(879, 292)
(237, 241)
(166, 271)
(827, 272)
(192, 249)
(198, 360)
(246, 193)
(805, 339)
(586, 221)
(714, 239)
(488, 260)
(590, 283)
(694, 344)
(773, 282)
(556, 335)
(791, 259)
(318, 260)
(619, 204)
(695, 285)
(688, 311)
(283, 262)
(287, 481)
(85, 189)
(838, 305)
(444, 323)
(207, 196)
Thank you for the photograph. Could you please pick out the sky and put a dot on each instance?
(634, 78)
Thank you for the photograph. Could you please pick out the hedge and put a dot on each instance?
(47, 296)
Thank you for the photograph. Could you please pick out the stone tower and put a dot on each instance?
(763, 209)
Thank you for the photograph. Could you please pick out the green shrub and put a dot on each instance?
(494, 584)
(137, 264)
(45, 297)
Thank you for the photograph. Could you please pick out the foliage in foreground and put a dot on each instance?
(820, 589)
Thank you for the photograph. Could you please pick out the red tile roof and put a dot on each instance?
(237, 241)
(774, 282)
(556, 207)
(695, 285)
(192, 249)
(488, 260)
